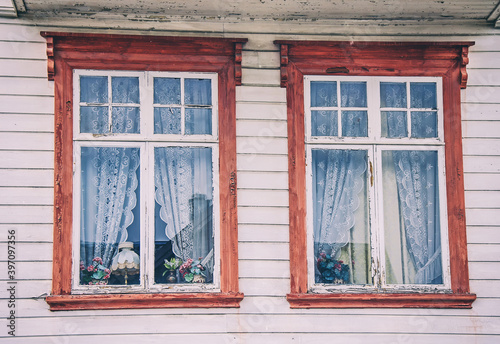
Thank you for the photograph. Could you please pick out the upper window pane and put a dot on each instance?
(198, 91)
(353, 94)
(393, 95)
(94, 89)
(423, 95)
(94, 119)
(125, 90)
(323, 93)
(167, 91)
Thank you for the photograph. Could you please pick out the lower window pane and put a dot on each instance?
(340, 213)
(184, 245)
(411, 217)
(109, 235)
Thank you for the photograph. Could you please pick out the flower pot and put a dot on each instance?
(171, 277)
(198, 279)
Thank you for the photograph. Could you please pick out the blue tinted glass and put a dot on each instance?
(324, 123)
(393, 94)
(423, 95)
(198, 121)
(94, 119)
(354, 123)
(198, 91)
(394, 124)
(167, 121)
(125, 120)
(94, 89)
(125, 90)
(353, 94)
(323, 93)
(423, 124)
(167, 91)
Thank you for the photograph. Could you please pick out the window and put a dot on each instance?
(144, 169)
(374, 136)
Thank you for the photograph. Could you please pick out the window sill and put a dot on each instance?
(131, 301)
(381, 300)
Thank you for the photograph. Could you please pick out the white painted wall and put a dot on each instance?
(26, 187)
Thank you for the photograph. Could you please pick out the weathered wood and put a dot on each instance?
(381, 300)
(119, 301)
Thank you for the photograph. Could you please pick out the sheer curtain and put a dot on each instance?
(338, 181)
(109, 182)
(183, 181)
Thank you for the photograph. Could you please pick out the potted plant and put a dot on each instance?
(171, 266)
(332, 270)
(192, 271)
(94, 274)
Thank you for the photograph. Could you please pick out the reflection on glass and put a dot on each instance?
(109, 211)
(183, 215)
(394, 124)
(340, 217)
(198, 91)
(198, 121)
(411, 217)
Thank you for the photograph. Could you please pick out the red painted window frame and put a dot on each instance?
(69, 51)
(442, 59)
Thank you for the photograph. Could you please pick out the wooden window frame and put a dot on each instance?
(69, 51)
(447, 60)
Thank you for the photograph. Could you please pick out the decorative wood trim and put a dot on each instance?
(376, 59)
(110, 52)
(284, 64)
(238, 57)
(464, 61)
(381, 300)
(50, 58)
(137, 301)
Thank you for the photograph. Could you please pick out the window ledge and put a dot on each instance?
(381, 300)
(130, 301)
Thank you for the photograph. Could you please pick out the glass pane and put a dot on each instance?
(394, 124)
(198, 121)
(411, 217)
(94, 119)
(110, 218)
(125, 90)
(323, 93)
(340, 215)
(125, 120)
(184, 246)
(324, 123)
(393, 95)
(353, 94)
(167, 121)
(423, 124)
(354, 123)
(94, 89)
(423, 95)
(198, 91)
(167, 91)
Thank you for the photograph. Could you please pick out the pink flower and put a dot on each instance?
(90, 268)
(107, 271)
(322, 255)
(97, 259)
(82, 266)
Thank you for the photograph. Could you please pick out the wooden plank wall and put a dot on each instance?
(26, 186)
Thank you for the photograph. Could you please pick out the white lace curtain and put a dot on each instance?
(183, 181)
(109, 182)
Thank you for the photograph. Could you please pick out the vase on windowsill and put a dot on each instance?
(171, 276)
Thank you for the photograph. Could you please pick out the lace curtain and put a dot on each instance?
(183, 181)
(338, 179)
(109, 182)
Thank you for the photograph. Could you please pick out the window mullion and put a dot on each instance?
(183, 108)
(374, 182)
